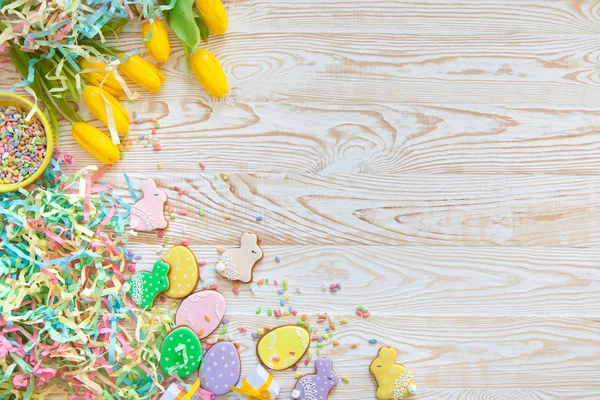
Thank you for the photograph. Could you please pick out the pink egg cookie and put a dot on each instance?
(202, 311)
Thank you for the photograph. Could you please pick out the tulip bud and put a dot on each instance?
(209, 73)
(96, 143)
(142, 72)
(93, 97)
(214, 15)
(111, 85)
(158, 45)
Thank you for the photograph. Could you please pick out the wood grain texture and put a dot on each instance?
(415, 17)
(437, 158)
(364, 209)
(366, 138)
(416, 280)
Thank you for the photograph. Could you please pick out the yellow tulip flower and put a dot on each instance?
(111, 85)
(93, 97)
(214, 15)
(96, 143)
(158, 46)
(209, 73)
(142, 72)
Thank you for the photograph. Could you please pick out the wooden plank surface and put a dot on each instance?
(439, 159)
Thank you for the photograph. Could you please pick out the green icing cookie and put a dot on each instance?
(181, 352)
(144, 286)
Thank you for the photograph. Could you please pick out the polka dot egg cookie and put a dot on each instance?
(222, 368)
(181, 352)
(283, 347)
(202, 311)
(183, 275)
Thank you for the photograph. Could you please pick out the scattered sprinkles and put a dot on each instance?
(22, 145)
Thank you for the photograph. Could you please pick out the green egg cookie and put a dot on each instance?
(181, 352)
(144, 286)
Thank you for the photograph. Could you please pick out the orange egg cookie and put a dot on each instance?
(183, 274)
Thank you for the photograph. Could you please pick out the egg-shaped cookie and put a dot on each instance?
(202, 311)
(183, 274)
(283, 347)
(222, 368)
(181, 352)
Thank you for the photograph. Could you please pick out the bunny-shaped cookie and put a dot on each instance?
(316, 386)
(237, 264)
(148, 213)
(395, 381)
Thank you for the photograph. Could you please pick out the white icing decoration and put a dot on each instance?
(401, 384)
(310, 391)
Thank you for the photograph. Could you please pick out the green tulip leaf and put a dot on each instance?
(181, 20)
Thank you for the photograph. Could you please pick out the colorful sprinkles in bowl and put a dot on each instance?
(23, 145)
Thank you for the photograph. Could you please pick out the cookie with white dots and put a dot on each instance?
(181, 352)
(144, 286)
(183, 275)
(222, 368)
(316, 386)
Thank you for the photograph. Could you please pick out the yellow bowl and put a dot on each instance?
(10, 99)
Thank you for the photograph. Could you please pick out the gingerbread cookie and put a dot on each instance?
(183, 275)
(148, 213)
(316, 386)
(395, 381)
(283, 347)
(237, 264)
(181, 352)
(144, 286)
(222, 368)
(202, 311)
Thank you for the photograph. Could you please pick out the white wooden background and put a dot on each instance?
(438, 158)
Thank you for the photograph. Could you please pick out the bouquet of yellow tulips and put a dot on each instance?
(52, 76)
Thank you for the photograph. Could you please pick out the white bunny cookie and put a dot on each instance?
(237, 264)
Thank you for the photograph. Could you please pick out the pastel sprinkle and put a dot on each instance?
(201, 212)
(259, 218)
(286, 296)
(282, 302)
(236, 291)
(306, 361)
(373, 341)
(201, 263)
(275, 358)
(207, 317)
(258, 310)
(279, 292)
(159, 166)
(260, 282)
(202, 166)
(243, 329)
(277, 313)
(227, 217)
(277, 259)
(354, 345)
(297, 375)
(254, 335)
(270, 312)
(301, 323)
(226, 177)
(200, 331)
(343, 321)
(336, 343)
(345, 379)
(320, 345)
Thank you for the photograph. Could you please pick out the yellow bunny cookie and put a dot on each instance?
(395, 381)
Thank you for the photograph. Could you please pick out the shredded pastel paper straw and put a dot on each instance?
(65, 324)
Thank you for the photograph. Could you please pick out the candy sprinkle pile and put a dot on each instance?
(22, 145)
(65, 324)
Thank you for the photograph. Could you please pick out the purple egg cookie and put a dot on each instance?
(221, 368)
